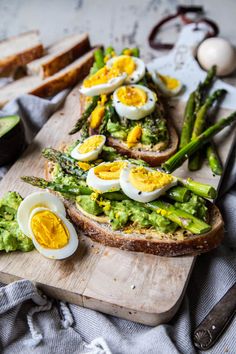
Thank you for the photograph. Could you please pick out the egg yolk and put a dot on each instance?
(49, 230)
(97, 116)
(148, 181)
(170, 82)
(132, 96)
(102, 76)
(90, 144)
(109, 171)
(134, 136)
(124, 64)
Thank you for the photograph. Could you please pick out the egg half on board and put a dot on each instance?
(42, 217)
(170, 86)
(144, 184)
(106, 176)
(89, 149)
(134, 101)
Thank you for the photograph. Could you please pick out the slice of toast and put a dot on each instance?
(18, 51)
(34, 85)
(181, 242)
(59, 55)
(153, 158)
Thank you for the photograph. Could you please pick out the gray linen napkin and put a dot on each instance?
(30, 320)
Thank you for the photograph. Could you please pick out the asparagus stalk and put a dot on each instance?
(44, 184)
(66, 162)
(203, 88)
(177, 159)
(193, 104)
(188, 121)
(200, 121)
(83, 119)
(179, 194)
(98, 61)
(214, 160)
(200, 124)
(182, 218)
(201, 189)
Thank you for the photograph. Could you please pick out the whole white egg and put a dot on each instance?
(219, 52)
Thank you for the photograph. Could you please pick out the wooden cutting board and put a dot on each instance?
(142, 288)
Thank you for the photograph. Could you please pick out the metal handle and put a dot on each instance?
(213, 325)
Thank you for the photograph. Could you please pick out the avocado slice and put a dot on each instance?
(8, 123)
(12, 139)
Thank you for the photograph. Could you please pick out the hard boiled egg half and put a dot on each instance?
(104, 81)
(42, 217)
(106, 176)
(134, 101)
(89, 149)
(145, 184)
(170, 86)
(133, 67)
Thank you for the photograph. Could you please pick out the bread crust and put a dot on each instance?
(153, 158)
(58, 61)
(11, 63)
(102, 233)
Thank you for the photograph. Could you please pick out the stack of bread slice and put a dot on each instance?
(62, 65)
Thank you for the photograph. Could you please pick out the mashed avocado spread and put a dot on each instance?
(154, 129)
(122, 211)
(11, 238)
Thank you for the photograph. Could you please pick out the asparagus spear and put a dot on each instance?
(98, 61)
(179, 194)
(66, 162)
(200, 124)
(214, 160)
(44, 184)
(182, 218)
(201, 189)
(193, 104)
(203, 88)
(83, 119)
(189, 118)
(177, 159)
(200, 121)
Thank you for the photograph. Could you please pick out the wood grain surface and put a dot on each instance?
(143, 288)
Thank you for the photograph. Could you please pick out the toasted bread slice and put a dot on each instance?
(18, 51)
(59, 55)
(153, 158)
(149, 241)
(34, 85)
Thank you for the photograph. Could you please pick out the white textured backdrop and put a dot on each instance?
(117, 22)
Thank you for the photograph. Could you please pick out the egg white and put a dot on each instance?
(136, 75)
(133, 112)
(134, 193)
(88, 156)
(106, 88)
(163, 88)
(36, 200)
(60, 253)
(101, 185)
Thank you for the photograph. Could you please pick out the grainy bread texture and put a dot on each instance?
(18, 51)
(34, 85)
(59, 55)
(152, 242)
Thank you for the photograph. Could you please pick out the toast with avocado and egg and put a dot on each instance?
(123, 203)
(120, 100)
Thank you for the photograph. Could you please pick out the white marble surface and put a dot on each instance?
(117, 22)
